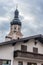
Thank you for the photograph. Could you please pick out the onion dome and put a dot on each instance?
(16, 20)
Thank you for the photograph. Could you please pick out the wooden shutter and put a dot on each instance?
(35, 50)
(23, 48)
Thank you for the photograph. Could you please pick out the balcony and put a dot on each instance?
(31, 55)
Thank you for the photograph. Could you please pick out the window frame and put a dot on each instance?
(29, 63)
(35, 50)
(24, 48)
(20, 62)
(5, 61)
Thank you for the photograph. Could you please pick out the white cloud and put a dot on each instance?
(4, 19)
(29, 18)
(31, 11)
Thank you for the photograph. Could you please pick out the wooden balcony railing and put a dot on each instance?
(32, 55)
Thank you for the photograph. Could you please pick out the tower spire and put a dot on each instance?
(16, 6)
(16, 12)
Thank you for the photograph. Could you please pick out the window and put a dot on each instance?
(35, 50)
(23, 48)
(31, 63)
(20, 63)
(18, 38)
(41, 64)
(14, 29)
(5, 62)
(19, 28)
(0, 62)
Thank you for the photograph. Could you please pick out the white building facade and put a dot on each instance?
(17, 50)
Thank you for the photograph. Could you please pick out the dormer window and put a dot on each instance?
(23, 48)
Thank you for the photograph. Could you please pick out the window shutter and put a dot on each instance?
(35, 50)
(23, 48)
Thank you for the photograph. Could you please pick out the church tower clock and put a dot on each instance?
(15, 30)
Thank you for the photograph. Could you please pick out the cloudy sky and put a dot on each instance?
(30, 12)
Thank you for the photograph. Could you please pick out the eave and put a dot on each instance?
(24, 40)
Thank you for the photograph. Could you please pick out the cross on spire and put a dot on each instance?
(16, 6)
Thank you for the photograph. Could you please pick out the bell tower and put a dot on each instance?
(15, 29)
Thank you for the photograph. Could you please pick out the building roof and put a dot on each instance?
(26, 39)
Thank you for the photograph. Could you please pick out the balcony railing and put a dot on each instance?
(23, 54)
